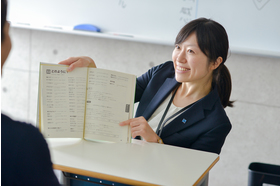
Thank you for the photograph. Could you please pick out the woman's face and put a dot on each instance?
(190, 63)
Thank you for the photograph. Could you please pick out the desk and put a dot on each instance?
(136, 163)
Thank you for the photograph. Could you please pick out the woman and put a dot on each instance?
(182, 103)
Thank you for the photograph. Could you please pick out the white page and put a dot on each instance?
(62, 101)
(109, 95)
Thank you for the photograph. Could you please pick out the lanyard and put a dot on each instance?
(161, 124)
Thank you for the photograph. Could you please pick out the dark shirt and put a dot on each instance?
(25, 157)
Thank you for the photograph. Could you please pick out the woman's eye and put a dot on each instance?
(177, 47)
(190, 51)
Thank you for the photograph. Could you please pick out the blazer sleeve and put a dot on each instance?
(213, 140)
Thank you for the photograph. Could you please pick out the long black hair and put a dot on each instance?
(213, 42)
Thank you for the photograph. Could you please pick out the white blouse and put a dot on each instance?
(157, 115)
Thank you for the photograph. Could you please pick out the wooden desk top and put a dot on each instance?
(135, 163)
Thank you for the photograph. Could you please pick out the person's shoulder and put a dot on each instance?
(22, 138)
(219, 114)
(215, 110)
(17, 129)
(166, 67)
(7, 121)
(25, 153)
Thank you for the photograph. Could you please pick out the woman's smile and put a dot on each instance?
(180, 69)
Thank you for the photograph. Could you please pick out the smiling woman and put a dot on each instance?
(210, 38)
(191, 64)
(182, 103)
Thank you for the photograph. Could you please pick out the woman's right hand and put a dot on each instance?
(81, 61)
(140, 127)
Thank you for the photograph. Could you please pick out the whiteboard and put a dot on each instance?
(252, 25)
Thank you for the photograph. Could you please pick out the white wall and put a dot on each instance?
(255, 117)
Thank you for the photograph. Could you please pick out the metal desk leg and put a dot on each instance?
(204, 181)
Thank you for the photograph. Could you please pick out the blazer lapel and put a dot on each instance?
(191, 115)
(162, 93)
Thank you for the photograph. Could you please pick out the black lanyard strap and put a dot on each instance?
(161, 124)
(166, 110)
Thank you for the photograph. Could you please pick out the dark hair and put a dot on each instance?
(3, 17)
(213, 42)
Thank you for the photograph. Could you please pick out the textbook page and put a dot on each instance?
(110, 100)
(62, 101)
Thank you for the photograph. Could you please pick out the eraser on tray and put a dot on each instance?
(87, 27)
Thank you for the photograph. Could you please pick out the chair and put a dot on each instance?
(260, 173)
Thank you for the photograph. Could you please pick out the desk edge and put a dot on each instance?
(99, 175)
(207, 170)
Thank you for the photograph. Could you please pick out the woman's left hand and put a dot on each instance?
(140, 127)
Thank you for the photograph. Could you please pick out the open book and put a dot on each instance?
(86, 103)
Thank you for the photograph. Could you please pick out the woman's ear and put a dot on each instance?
(217, 63)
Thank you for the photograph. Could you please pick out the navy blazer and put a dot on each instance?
(207, 124)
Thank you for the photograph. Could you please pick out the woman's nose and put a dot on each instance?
(182, 57)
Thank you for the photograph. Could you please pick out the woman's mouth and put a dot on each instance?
(182, 69)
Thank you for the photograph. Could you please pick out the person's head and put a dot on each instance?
(5, 38)
(211, 42)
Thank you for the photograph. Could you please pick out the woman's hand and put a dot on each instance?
(140, 127)
(81, 61)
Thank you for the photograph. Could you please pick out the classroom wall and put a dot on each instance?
(255, 117)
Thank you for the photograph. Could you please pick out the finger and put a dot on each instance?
(135, 133)
(127, 122)
(68, 61)
(137, 128)
(135, 123)
(91, 63)
(81, 62)
(74, 65)
(123, 123)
